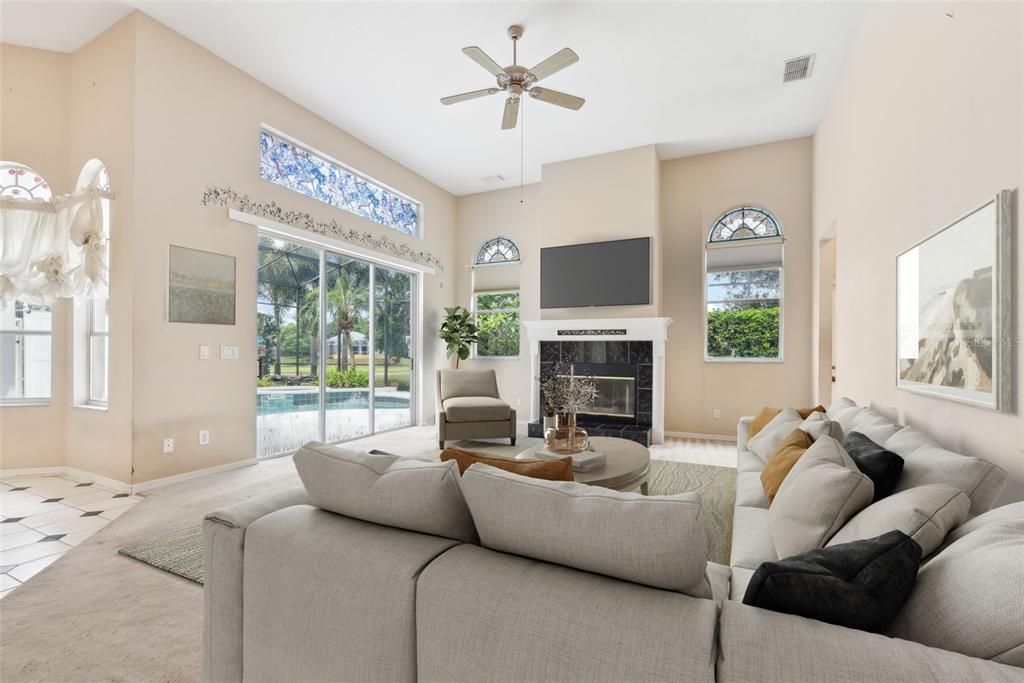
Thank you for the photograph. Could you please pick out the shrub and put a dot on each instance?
(744, 333)
(353, 378)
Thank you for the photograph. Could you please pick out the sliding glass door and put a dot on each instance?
(335, 361)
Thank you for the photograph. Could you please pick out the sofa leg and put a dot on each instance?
(440, 444)
(512, 440)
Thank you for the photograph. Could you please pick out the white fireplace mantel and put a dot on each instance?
(654, 330)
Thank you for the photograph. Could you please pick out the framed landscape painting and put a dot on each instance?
(953, 307)
(201, 287)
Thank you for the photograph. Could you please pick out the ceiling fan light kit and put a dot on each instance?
(516, 80)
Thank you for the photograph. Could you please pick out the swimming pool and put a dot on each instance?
(273, 401)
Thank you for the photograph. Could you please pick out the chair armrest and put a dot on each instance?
(761, 645)
(743, 431)
(223, 541)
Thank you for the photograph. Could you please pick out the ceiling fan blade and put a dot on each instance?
(511, 113)
(555, 63)
(481, 58)
(462, 97)
(558, 98)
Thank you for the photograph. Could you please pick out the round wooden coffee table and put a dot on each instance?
(627, 464)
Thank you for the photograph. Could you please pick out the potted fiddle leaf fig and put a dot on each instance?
(459, 332)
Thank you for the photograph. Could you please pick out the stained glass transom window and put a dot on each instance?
(497, 250)
(287, 164)
(18, 181)
(744, 223)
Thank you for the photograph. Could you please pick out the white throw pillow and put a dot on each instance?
(873, 425)
(818, 425)
(908, 440)
(768, 439)
(656, 541)
(970, 597)
(979, 479)
(840, 404)
(822, 491)
(846, 416)
(926, 514)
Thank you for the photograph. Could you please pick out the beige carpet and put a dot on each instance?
(96, 615)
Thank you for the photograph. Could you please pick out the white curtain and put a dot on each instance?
(52, 249)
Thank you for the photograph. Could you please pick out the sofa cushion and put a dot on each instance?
(768, 414)
(840, 404)
(1006, 513)
(822, 491)
(926, 514)
(485, 616)
(761, 645)
(817, 425)
(749, 491)
(475, 409)
(846, 416)
(385, 489)
(768, 439)
(552, 470)
(751, 538)
(979, 479)
(719, 576)
(884, 467)
(970, 597)
(782, 461)
(738, 582)
(908, 440)
(653, 540)
(748, 462)
(874, 425)
(455, 383)
(859, 585)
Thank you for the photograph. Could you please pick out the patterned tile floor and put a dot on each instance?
(42, 517)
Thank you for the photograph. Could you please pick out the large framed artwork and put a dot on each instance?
(201, 287)
(954, 309)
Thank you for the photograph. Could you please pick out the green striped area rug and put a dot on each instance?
(181, 553)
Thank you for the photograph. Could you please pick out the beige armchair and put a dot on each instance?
(469, 407)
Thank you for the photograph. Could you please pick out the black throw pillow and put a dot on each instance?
(859, 585)
(882, 467)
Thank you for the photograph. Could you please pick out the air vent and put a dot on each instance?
(493, 179)
(798, 69)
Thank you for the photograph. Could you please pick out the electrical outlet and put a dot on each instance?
(204, 437)
(168, 445)
(716, 413)
(204, 352)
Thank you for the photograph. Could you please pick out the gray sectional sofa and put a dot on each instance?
(296, 592)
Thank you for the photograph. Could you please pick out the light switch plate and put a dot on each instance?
(204, 352)
(229, 353)
(204, 437)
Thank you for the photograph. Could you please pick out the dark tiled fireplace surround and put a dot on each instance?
(635, 354)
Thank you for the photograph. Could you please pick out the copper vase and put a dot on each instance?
(565, 436)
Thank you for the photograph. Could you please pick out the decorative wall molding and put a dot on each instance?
(225, 196)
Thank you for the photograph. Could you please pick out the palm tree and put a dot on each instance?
(309, 317)
(347, 299)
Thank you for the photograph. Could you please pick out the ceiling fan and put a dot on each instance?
(516, 80)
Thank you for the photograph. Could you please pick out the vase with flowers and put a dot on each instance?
(567, 393)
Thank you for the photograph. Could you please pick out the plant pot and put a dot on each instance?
(565, 436)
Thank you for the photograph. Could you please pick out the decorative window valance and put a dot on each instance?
(52, 247)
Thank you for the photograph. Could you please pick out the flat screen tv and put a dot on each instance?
(616, 273)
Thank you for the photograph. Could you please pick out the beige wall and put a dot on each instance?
(631, 194)
(911, 139)
(197, 124)
(33, 131)
(169, 118)
(695, 191)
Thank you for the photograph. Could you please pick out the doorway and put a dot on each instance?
(826, 320)
(335, 346)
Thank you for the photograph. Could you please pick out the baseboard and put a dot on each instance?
(705, 437)
(70, 473)
(195, 474)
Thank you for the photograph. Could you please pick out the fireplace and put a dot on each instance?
(624, 372)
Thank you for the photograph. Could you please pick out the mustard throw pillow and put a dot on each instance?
(552, 470)
(782, 461)
(768, 414)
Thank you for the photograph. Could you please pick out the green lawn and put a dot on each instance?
(398, 373)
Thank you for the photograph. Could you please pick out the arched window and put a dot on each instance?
(744, 223)
(497, 250)
(743, 287)
(18, 181)
(496, 298)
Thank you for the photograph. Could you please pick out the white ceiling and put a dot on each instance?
(689, 77)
